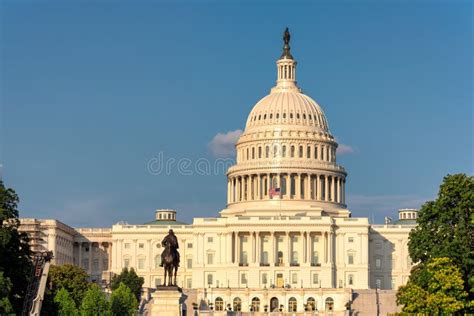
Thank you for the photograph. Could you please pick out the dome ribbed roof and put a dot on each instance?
(287, 108)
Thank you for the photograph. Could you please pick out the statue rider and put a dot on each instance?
(172, 241)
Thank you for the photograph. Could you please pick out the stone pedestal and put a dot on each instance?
(167, 301)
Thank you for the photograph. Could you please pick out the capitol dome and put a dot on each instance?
(286, 156)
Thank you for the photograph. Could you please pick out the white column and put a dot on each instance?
(298, 186)
(333, 189)
(90, 259)
(229, 248)
(307, 193)
(80, 255)
(259, 185)
(288, 249)
(309, 242)
(326, 185)
(237, 248)
(272, 249)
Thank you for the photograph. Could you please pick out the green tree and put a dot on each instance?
(69, 277)
(446, 228)
(130, 279)
(436, 288)
(6, 307)
(95, 302)
(15, 252)
(123, 301)
(66, 305)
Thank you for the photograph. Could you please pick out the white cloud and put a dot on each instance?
(222, 145)
(344, 149)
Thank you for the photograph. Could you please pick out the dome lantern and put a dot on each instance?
(286, 68)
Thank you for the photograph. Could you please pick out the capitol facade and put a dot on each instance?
(286, 239)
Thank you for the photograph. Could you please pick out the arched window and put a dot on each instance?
(304, 116)
(284, 115)
(271, 115)
(278, 115)
(157, 261)
(275, 151)
(316, 152)
(255, 304)
(292, 304)
(267, 152)
(298, 116)
(219, 304)
(308, 152)
(291, 115)
(253, 152)
(283, 152)
(292, 151)
(300, 152)
(329, 304)
(247, 158)
(311, 304)
(237, 304)
(259, 152)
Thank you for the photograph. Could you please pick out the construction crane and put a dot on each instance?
(35, 292)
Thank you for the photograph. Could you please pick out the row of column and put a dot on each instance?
(104, 247)
(298, 186)
(231, 248)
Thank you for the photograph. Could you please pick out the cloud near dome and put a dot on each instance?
(344, 149)
(223, 144)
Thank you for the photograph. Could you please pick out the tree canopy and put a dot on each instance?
(95, 302)
(123, 301)
(130, 279)
(66, 305)
(436, 289)
(445, 229)
(69, 277)
(15, 263)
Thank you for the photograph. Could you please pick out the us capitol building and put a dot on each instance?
(286, 239)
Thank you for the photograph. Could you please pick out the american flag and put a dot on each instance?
(274, 191)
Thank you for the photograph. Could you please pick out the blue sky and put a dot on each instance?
(91, 92)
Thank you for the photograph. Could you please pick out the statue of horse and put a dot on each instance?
(170, 258)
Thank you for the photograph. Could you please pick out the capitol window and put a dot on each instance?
(308, 152)
(210, 258)
(350, 258)
(243, 278)
(141, 245)
(351, 239)
(350, 279)
(316, 152)
(264, 278)
(292, 151)
(126, 262)
(315, 278)
(294, 278)
(267, 151)
(190, 245)
(291, 115)
(300, 153)
(253, 152)
(189, 263)
(298, 116)
(210, 239)
(210, 279)
(141, 263)
(284, 151)
(378, 263)
(126, 245)
(278, 115)
(259, 152)
(284, 115)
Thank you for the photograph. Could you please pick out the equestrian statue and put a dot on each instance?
(170, 258)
